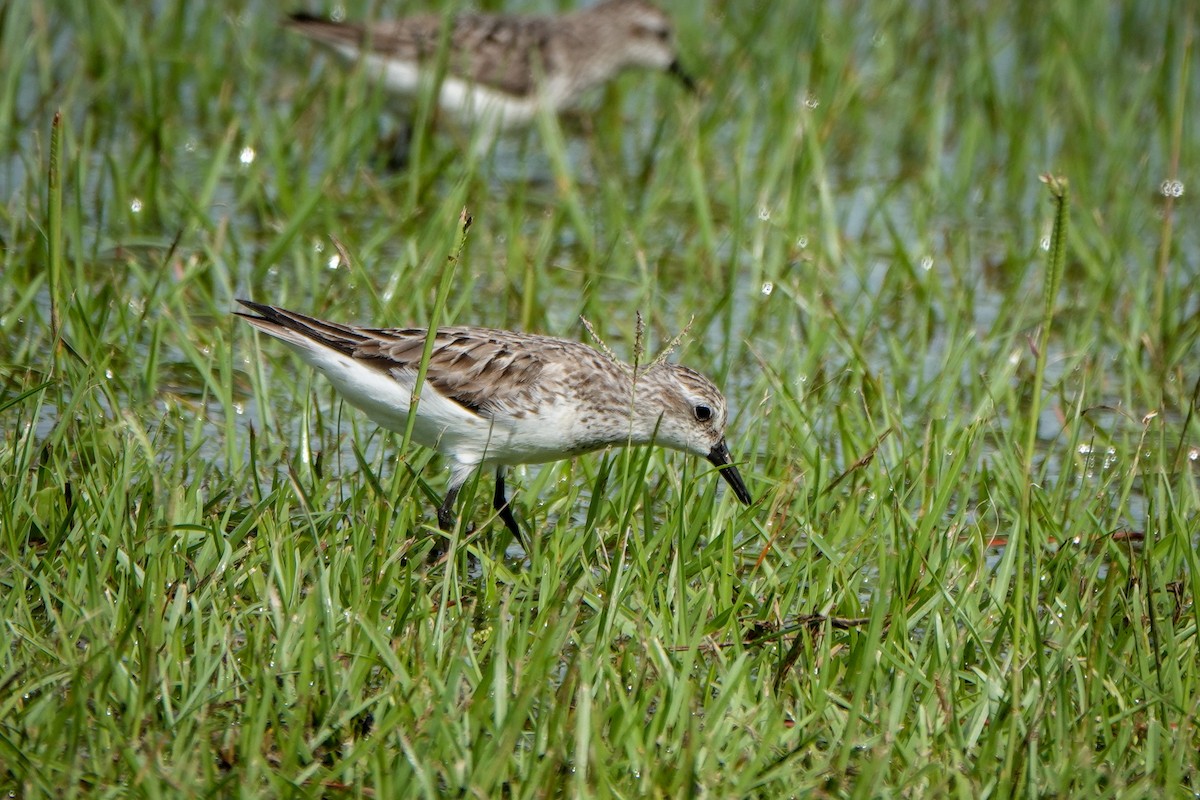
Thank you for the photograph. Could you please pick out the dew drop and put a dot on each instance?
(247, 156)
(1171, 188)
(136, 205)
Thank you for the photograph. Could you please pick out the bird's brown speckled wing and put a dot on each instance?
(486, 371)
(480, 369)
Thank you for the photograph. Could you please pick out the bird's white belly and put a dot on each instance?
(463, 103)
(385, 398)
(533, 435)
(550, 433)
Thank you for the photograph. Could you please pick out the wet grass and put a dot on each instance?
(964, 397)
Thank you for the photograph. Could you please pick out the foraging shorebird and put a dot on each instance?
(496, 398)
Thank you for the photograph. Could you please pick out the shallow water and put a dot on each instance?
(892, 230)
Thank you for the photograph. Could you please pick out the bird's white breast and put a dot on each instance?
(463, 102)
(386, 398)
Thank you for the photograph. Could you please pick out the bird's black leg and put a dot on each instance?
(399, 147)
(446, 510)
(500, 503)
(446, 522)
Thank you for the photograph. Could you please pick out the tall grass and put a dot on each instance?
(967, 410)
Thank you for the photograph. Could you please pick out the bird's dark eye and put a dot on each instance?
(703, 413)
(663, 34)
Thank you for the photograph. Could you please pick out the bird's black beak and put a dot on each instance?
(719, 458)
(677, 71)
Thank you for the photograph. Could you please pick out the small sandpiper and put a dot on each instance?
(495, 398)
(501, 69)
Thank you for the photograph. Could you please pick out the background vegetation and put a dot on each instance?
(966, 407)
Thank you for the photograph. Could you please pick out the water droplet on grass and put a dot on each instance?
(1171, 188)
